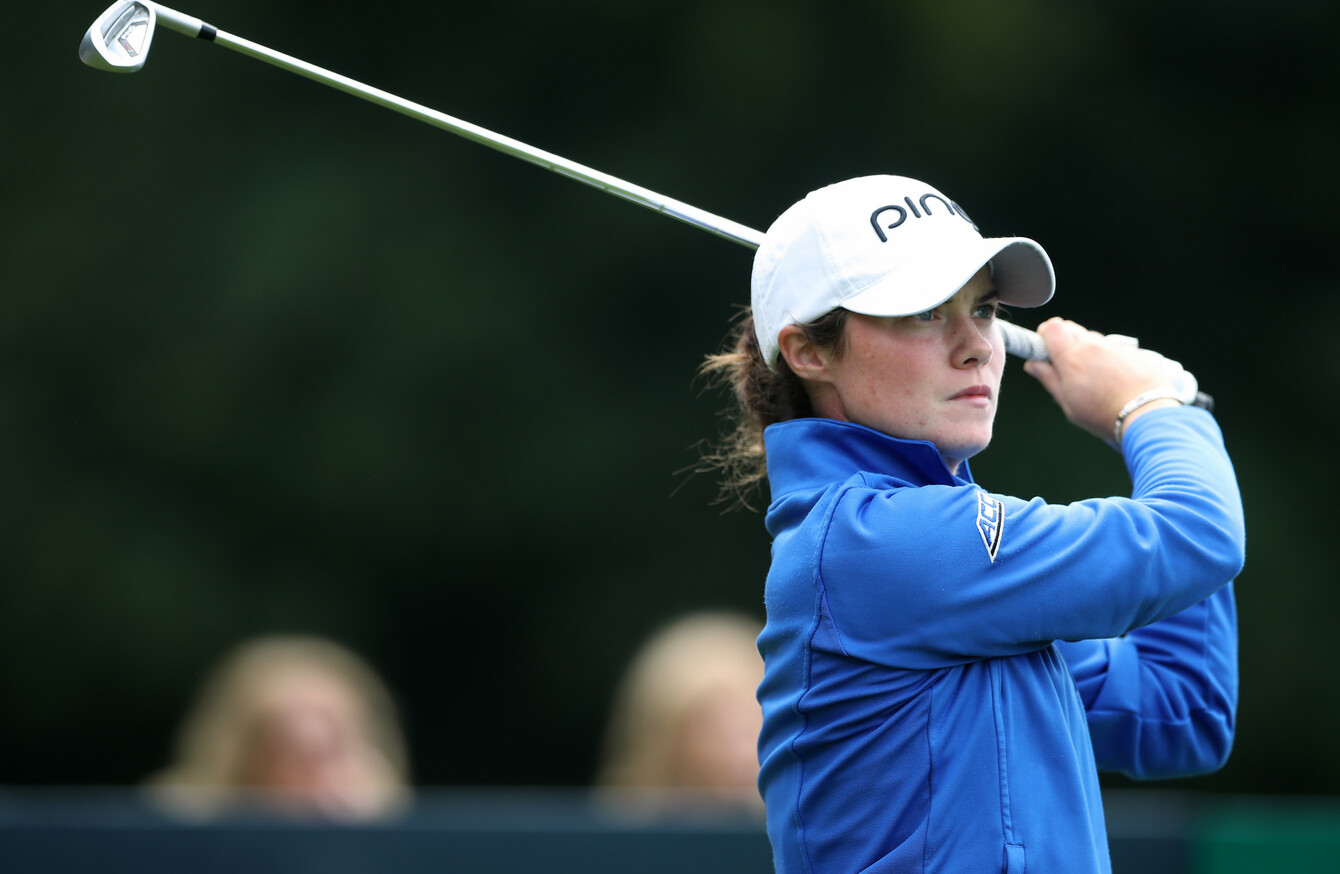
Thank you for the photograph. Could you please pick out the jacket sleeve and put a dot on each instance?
(1162, 701)
(935, 576)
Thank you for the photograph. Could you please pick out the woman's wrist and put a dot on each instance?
(1141, 404)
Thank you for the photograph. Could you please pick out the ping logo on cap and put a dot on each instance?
(990, 522)
(875, 220)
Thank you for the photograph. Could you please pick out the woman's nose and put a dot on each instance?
(971, 342)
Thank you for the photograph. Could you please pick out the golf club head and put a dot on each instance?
(118, 41)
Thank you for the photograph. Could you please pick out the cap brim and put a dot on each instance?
(1020, 269)
(1023, 273)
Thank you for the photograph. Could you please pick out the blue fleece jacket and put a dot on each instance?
(922, 709)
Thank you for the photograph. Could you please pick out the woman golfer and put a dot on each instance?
(948, 668)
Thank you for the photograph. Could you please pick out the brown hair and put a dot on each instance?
(763, 397)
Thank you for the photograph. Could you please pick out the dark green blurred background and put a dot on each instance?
(274, 359)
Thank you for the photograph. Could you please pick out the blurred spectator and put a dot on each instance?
(683, 730)
(290, 724)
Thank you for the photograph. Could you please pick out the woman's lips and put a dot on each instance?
(976, 393)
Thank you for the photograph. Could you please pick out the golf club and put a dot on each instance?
(119, 41)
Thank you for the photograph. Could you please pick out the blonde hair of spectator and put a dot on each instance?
(683, 728)
(289, 723)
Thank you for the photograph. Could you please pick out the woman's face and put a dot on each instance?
(932, 376)
(309, 748)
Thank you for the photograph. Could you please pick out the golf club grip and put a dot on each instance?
(1028, 345)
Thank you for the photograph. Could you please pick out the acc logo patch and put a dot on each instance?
(990, 522)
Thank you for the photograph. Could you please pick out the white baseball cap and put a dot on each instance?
(882, 246)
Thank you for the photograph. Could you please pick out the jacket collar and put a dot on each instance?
(812, 454)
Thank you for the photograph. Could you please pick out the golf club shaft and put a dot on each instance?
(1019, 341)
(194, 27)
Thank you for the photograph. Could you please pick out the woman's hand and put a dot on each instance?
(1092, 377)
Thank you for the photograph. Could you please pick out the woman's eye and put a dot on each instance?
(924, 317)
(986, 311)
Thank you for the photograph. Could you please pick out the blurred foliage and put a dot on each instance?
(275, 359)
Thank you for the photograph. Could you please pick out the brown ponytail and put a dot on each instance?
(763, 397)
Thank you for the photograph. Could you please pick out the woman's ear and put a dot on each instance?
(804, 358)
